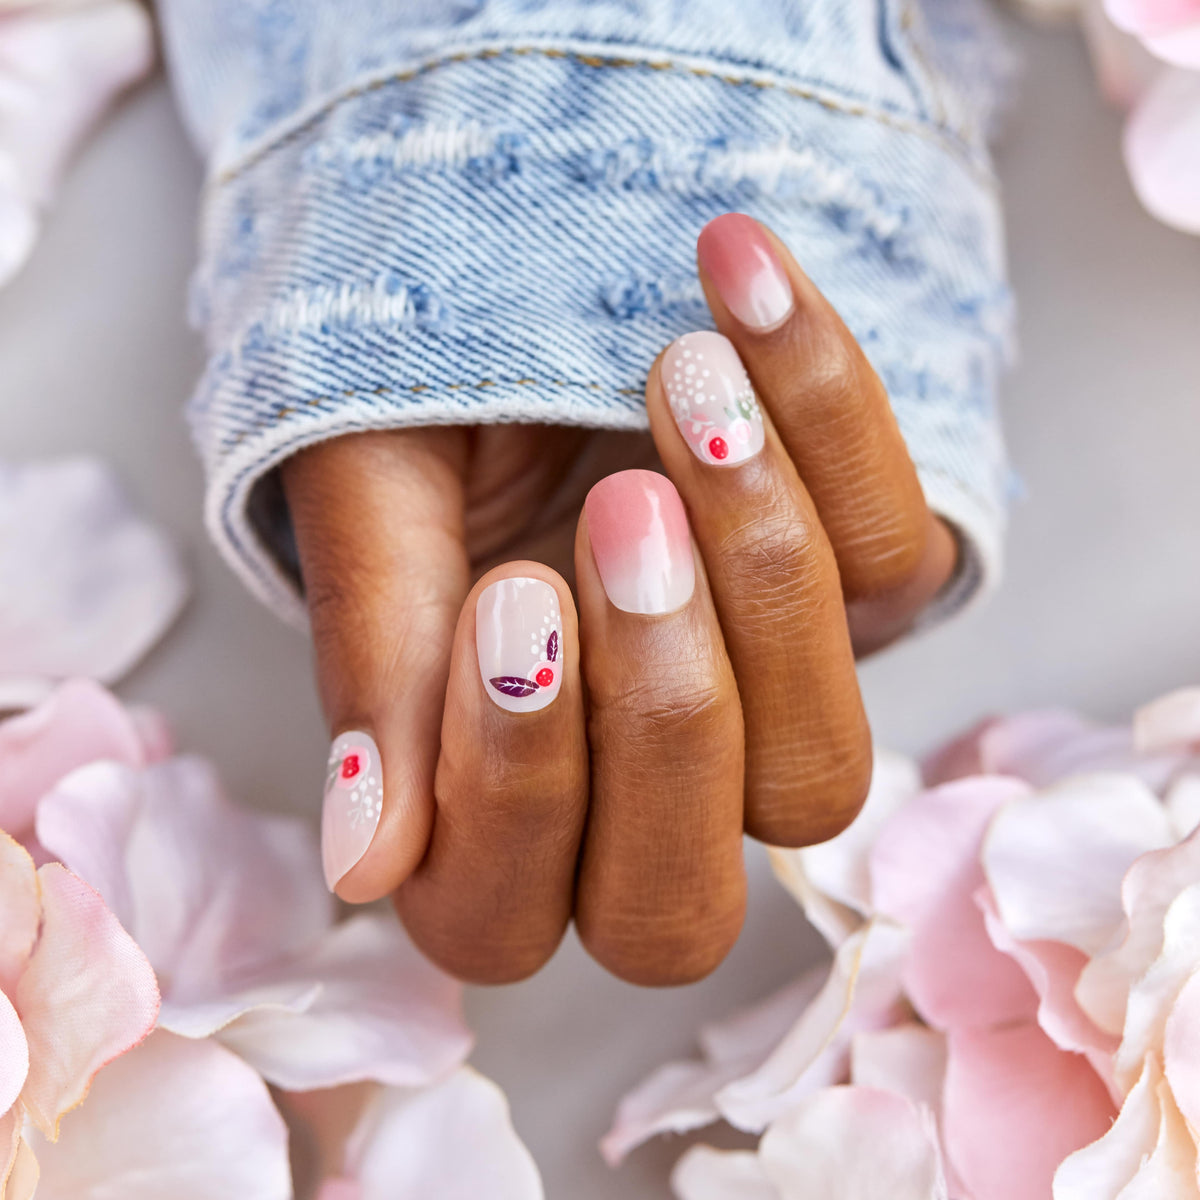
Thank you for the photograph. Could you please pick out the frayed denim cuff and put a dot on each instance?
(506, 232)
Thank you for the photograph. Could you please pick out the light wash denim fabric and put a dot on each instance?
(435, 211)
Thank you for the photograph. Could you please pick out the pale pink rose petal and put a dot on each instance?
(1181, 1051)
(87, 995)
(1055, 860)
(1160, 149)
(1124, 67)
(681, 1096)
(925, 871)
(1149, 17)
(60, 67)
(381, 1011)
(1179, 47)
(1183, 805)
(21, 906)
(1149, 888)
(11, 1121)
(1170, 723)
(173, 1118)
(1014, 1107)
(707, 1174)
(213, 893)
(14, 1056)
(453, 1141)
(23, 1172)
(832, 881)
(862, 993)
(1152, 997)
(87, 585)
(854, 1141)
(80, 723)
(1171, 1170)
(909, 1060)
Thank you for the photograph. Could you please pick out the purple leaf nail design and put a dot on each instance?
(513, 685)
(552, 646)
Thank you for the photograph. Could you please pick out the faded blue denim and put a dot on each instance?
(424, 212)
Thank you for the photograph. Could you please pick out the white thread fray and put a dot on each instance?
(423, 146)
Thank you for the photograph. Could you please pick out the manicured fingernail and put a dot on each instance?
(640, 541)
(518, 634)
(712, 399)
(746, 271)
(353, 803)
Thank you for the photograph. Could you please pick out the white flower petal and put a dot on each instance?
(862, 992)
(453, 1141)
(1160, 149)
(681, 1096)
(854, 1142)
(172, 1118)
(1170, 723)
(1101, 1170)
(909, 1060)
(1152, 997)
(1181, 1051)
(1183, 804)
(1055, 860)
(1170, 1171)
(1148, 890)
(382, 1011)
(707, 1174)
(87, 585)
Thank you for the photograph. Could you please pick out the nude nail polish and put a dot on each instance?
(353, 803)
(640, 541)
(712, 399)
(518, 636)
(746, 271)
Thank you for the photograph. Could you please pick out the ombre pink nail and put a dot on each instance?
(353, 803)
(640, 541)
(746, 271)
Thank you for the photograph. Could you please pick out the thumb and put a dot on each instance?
(379, 528)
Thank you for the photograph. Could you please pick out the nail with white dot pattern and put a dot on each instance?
(518, 635)
(712, 399)
(353, 803)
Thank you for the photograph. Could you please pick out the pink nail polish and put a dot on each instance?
(712, 399)
(353, 803)
(518, 636)
(640, 541)
(745, 270)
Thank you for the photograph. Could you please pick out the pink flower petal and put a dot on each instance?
(20, 1179)
(1014, 1107)
(21, 905)
(381, 1011)
(87, 585)
(832, 881)
(1102, 1170)
(453, 1141)
(1160, 149)
(1152, 16)
(681, 1096)
(14, 1056)
(861, 993)
(1179, 47)
(1181, 1051)
(80, 723)
(87, 995)
(1171, 1168)
(1183, 805)
(173, 1118)
(909, 1060)
(707, 1174)
(1055, 860)
(925, 872)
(1154, 994)
(1148, 890)
(212, 893)
(1054, 969)
(1124, 67)
(854, 1141)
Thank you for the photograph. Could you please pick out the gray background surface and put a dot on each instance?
(1099, 609)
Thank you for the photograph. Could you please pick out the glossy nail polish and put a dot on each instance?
(712, 399)
(746, 271)
(518, 636)
(353, 803)
(640, 542)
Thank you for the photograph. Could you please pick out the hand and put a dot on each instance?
(470, 777)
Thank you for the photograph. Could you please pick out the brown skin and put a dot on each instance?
(622, 803)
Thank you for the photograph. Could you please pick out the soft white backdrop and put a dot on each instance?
(1101, 607)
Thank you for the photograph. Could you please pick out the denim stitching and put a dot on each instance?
(852, 108)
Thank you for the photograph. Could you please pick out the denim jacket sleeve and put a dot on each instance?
(434, 211)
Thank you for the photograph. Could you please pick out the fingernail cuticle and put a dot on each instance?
(712, 399)
(519, 640)
(353, 803)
